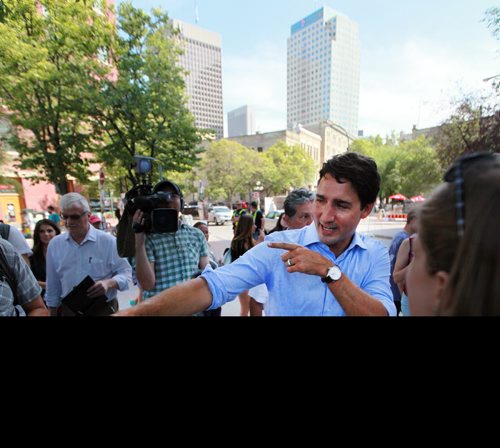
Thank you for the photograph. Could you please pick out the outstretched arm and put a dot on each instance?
(184, 299)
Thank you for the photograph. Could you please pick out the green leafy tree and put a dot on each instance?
(386, 156)
(144, 110)
(287, 167)
(492, 18)
(416, 169)
(49, 71)
(229, 168)
(410, 168)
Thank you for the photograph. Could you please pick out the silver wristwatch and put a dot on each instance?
(333, 274)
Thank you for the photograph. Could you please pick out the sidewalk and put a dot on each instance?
(381, 229)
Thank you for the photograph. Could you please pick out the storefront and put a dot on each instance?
(10, 205)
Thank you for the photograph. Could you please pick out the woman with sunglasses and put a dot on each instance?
(456, 265)
(45, 230)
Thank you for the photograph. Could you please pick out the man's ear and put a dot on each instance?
(442, 297)
(366, 210)
(284, 222)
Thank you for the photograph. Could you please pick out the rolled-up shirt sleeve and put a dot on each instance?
(122, 272)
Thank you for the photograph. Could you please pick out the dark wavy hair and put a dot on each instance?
(242, 240)
(361, 171)
(37, 243)
(279, 225)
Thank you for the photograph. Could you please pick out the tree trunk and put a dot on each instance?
(61, 187)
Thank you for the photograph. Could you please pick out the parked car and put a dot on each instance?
(271, 219)
(193, 210)
(219, 214)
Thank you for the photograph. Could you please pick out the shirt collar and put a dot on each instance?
(91, 235)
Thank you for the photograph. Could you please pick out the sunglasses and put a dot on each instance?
(455, 174)
(73, 217)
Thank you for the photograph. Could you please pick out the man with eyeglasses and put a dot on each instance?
(166, 259)
(83, 250)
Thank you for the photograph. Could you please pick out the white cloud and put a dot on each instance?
(416, 81)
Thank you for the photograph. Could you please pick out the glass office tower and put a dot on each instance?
(323, 71)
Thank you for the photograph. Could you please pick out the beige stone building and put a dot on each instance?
(334, 139)
(308, 140)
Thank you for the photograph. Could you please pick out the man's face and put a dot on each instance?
(337, 213)
(239, 205)
(304, 216)
(173, 201)
(76, 220)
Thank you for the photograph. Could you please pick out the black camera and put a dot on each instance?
(153, 202)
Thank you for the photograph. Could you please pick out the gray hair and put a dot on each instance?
(296, 198)
(70, 199)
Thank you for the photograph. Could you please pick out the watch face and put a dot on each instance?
(334, 273)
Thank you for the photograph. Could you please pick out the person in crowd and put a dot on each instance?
(258, 219)
(53, 215)
(403, 259)
(456, 268)
(96, 222)
(324, 269)
(242, 242)
(299, 212)
(15, 237)
(409, 229)
(279, 225)
(299, 209)
(83, 251)
(165, 259)
(212, 259)
(18, 286)
(45, 230)
(239, 211)
(28, 223)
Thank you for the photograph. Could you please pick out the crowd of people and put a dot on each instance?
(315, 262)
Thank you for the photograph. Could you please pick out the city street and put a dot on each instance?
(220, 238)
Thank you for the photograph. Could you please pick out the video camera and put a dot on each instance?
(152, 201)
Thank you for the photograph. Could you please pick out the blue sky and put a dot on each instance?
(417, 56)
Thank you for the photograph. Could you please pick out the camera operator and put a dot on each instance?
(166, 259)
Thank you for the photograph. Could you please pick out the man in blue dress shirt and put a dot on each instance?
(324, 269)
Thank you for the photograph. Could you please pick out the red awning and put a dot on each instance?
(398, 197)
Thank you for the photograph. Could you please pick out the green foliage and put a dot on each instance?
(492, 18)
(229, 169)
(417, 167)
(48, 74)
(3, 10)
(143, 111)
(474, 126)
(287, 167)
(410, 168)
